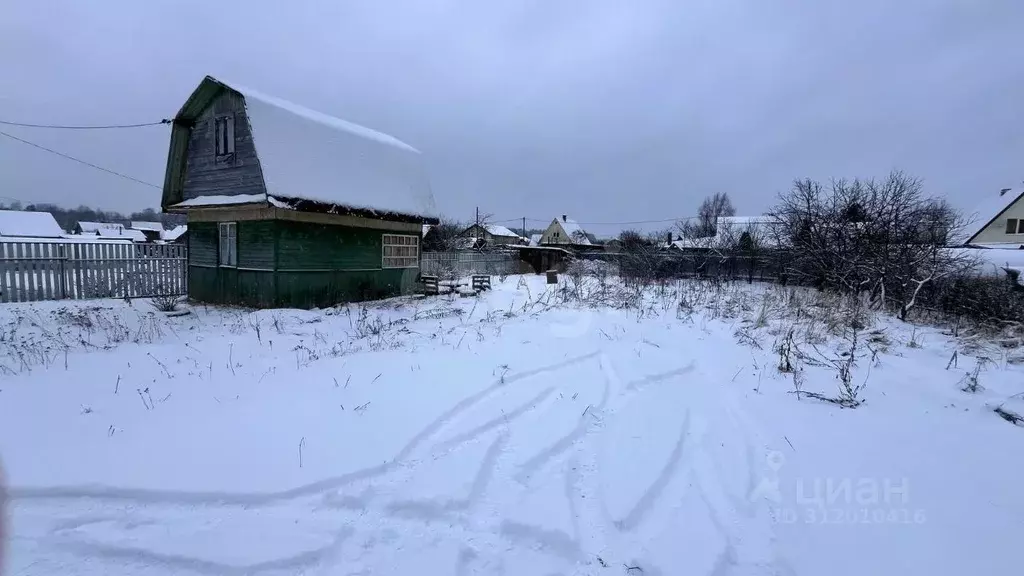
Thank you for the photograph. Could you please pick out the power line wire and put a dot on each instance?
(89, 164)
(667, 220)
(84, 127)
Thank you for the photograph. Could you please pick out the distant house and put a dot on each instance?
(107, 231)
(565, 230)
(492, 234)
(151, 230)
(18, 225)
(94, 227)
(999, 220)
(291, 207)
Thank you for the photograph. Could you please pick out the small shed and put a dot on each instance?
(289, 207)
(151, 231)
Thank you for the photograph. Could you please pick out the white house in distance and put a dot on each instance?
(999, 221)
(492, 234)
(565, 230)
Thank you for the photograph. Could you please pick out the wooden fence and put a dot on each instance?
(32, 271)
(465, 263)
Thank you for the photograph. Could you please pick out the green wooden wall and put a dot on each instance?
(292, 264)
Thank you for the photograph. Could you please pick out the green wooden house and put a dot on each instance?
(288, 207)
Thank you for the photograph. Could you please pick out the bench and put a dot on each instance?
(430, 287)
(481, 282)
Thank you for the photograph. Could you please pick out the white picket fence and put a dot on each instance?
(464, 263)
(33, 271)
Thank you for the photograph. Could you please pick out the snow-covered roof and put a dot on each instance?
(426, 229)
(66, 239)
(308, 155)
(535, 239)
(573, 230)
(174, 233)
(94, 226)
(22, 224)
(133, 235)
(146, 226)
(498, 230)
(990, 209)
(220, 200)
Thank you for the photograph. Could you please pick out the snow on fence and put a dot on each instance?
(31, 271)
(463, 263)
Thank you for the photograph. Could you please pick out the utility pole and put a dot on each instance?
(478, 216)
(524, 228)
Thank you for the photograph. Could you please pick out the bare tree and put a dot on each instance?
(443, 237)
(710, 210)
(884, 237)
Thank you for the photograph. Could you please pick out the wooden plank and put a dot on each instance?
(106, 281)
(78, 251)
(143, 263)
(22, 274)
(5, 273)
(51, 271)
(59, 265)
(45, 277)
(34, 274)
(161, 269)
(128, 268)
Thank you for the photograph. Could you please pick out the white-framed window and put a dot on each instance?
(1015, 225)
(228, 236)
(224, 131)
(401, 251)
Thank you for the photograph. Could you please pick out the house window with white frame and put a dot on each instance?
(1015, 225)
(228, 236)
(400, 251)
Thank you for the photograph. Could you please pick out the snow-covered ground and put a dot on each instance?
(510, 433)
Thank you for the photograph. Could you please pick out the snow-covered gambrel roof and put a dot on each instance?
(22, 224)
(990, 209)
(310, 160)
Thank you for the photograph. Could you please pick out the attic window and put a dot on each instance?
(1014, 226)
(224, 129)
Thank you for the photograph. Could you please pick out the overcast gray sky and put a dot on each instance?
(607, 110)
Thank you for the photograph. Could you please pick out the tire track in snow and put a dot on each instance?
(560, 446)
(431, 508)
(750, 536)
(249, 499)
(176, 562)
(668, 472)
(504, 419)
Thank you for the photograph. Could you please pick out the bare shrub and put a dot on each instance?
(165, 303)
(970, 381)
